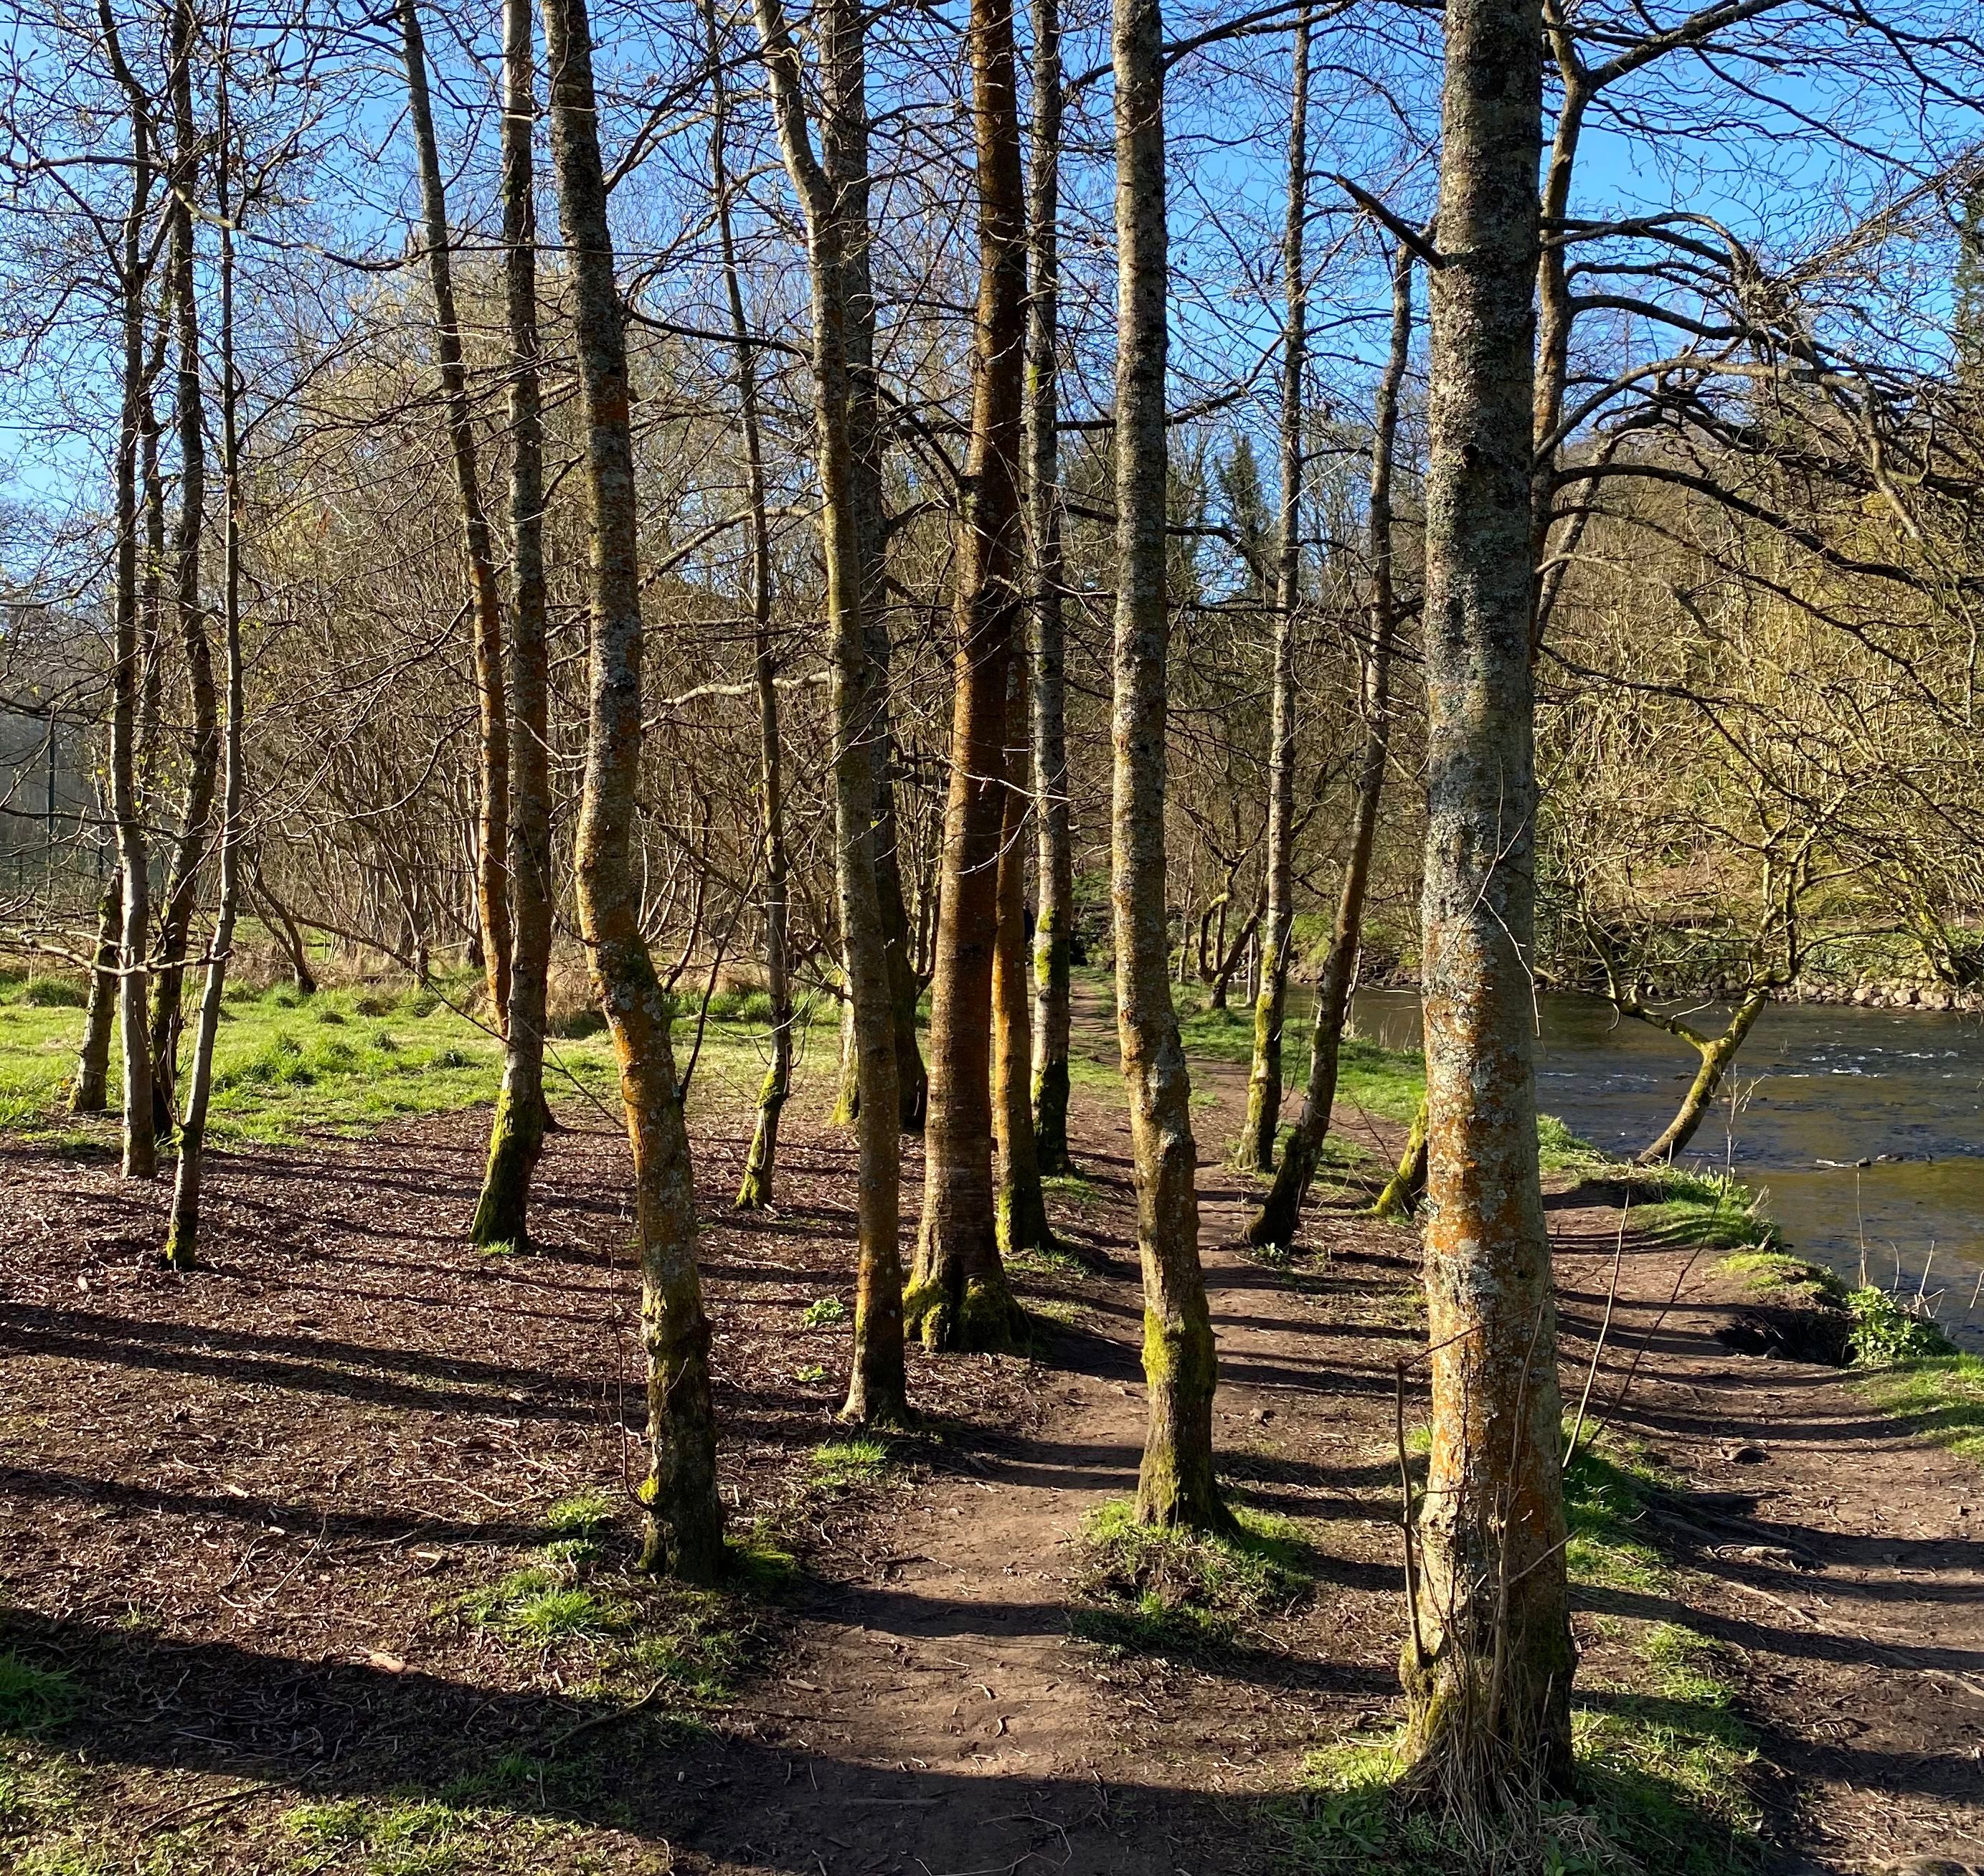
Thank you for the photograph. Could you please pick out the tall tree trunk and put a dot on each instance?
(140, 1159)
(686, 1527)
(1264, 1080)
(1054, 929)
(1021, 1214)
(182, 1235)
(1488, 1673)
(1175, 1486)
(1276, 1222)
(761, 1164)
(492, 899)
(877, 1387)
(843, 157)
(90, 1091)
(958, 1293)
(190, 849)
(516, 1133)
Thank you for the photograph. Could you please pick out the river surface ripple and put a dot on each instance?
(1820, 1089)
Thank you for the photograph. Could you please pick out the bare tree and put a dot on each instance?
(1488, 1673)
(685, 1519)
(958, 1295)
(485, 603)
(1264, 1081)
(1047, 647)
(516, 1133)
(1274, 1223)
(877, 1392)
(1175, 1484)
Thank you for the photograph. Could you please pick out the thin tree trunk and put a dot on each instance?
(1264, 1081)
(90, 1091)
(140, 1159)
(1406, 1187)
(685, 1528)
(877, 1393)
(1716, 1051)
(182, 1236)
(1054, 927)
(492, 898)
(190, 849)
(761, 1164)
(282, 923)
(1488, 1674)
(1276, 1221)
(958, 1295)
(1021, 1216)
(843, 157)
(1175, 1485)
(516, 1133)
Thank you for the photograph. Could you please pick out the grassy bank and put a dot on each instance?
(351, 1059)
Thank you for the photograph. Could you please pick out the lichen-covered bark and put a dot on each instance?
(1276, 1221)
(1716, 1051)
(1264, 1080)
(1488, 1676)
(1021, 1219)
(1175, 1484)
(1047, 652)
(1406, 1187)
(517, 1132)
(485, 601)
(877, 1390)
(685, 1529)
(957, 1294)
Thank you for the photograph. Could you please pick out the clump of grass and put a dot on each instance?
(53, 994)
(544, 1604)
(861, 1460)
(1704, 1209)
(1605, 1489)
(1160, 1589)
(824, 1312)
(32, 1700)
(1559, 1150)
(1790, 1278)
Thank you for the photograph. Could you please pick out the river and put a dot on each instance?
(1864, 1128)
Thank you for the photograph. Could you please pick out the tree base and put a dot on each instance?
(986, 1318)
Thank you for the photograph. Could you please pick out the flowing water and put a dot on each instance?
(1864, 1127)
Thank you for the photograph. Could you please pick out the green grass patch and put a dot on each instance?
(1158, 1590)
(1664, 1770)
(1707, 1210)
(1940, 1397)
(1781, 1275)
(32, 1700)
(346, 1061)
(859, 1460)
(1605, 1491)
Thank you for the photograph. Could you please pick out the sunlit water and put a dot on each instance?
(1818, 1088)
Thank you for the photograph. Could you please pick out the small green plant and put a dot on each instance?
(824, 1312)
(843, 1462)
(1886, 1331)
(812, 1375)
(584, 1514)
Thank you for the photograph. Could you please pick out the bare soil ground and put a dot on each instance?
(262, 1517)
